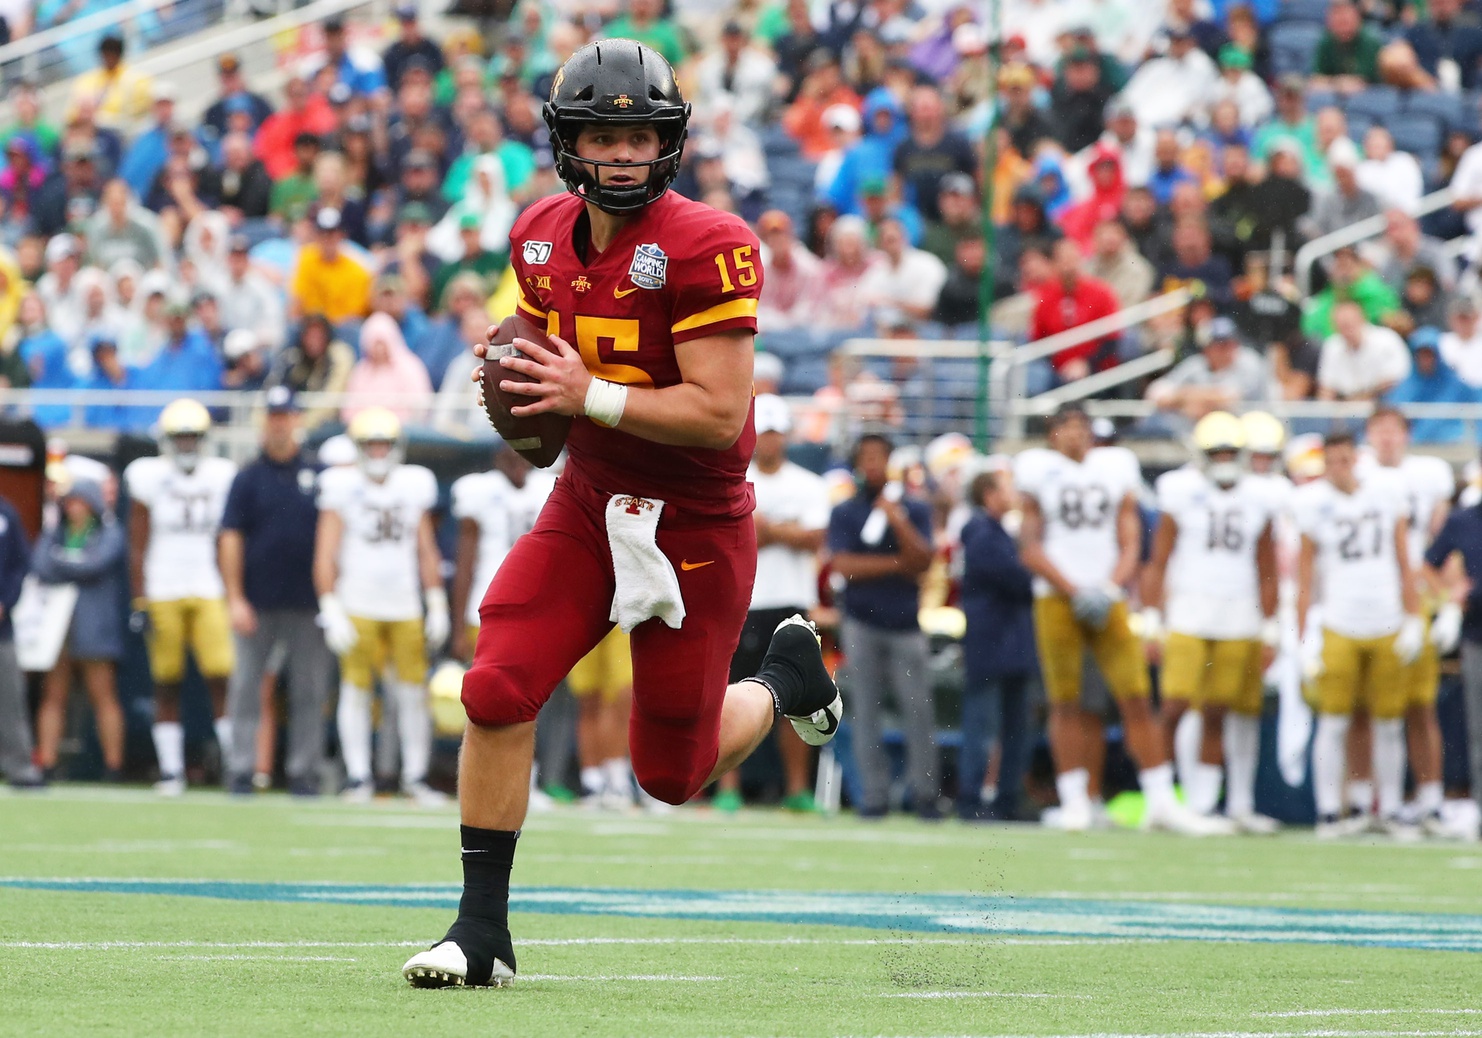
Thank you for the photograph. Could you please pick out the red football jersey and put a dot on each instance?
(677, 271)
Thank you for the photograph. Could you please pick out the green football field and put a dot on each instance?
(122, 914)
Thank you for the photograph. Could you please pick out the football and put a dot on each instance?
(540, 438)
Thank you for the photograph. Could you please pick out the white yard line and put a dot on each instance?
(253, 958)
(652, 978)
(1370, 1012)
(562, 942)
(976, 994)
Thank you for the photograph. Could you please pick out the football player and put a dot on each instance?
(649, 304)
(375, 560)
(1355, 550)
(1081, 537)
(179, 598)
(1427, 484)
(1213, 568)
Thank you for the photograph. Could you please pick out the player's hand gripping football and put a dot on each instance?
(562, 376)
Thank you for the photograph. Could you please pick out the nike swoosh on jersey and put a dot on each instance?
(686, 565)
(618, 293)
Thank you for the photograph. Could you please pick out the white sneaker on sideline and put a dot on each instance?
(423, 795)
(1069, 818)
(362, 792)
(541, 801)
(1176, 818)
(170, 787)
(1256, 825)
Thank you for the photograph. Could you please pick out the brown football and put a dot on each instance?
(539, 438)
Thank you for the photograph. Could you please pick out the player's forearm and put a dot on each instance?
(1267, 580)
(685, 415)
(1037, 562)
(229, 559)
(138, 547)
(795, 537)
(463, 567)
(1151, 588)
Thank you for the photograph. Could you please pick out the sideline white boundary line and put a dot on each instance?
(977, 994)
(561, 942)
(1369, 1012)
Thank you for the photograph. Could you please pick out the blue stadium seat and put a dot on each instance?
(1359, 123)
(775, 141)
(1303, 11)
(1449, 108)
(793, 170)
(1320, 99)
(1418, 133)
(1380, 103)
(804, 377)
(792, 343)
(1292, 46)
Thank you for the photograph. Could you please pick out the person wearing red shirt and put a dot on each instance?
(1069, 300)
(822, 88)
(304, 112)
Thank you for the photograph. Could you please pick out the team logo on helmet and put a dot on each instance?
(622, 101)
(650, 268)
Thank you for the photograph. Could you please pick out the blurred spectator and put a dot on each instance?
(1238, 84)
(1019, 113)
(908, 279)
(442, 340)
(1360, 361)
(1404, 248)
(1349, 280)
(794, 276)
(1168, 168)
(71, 197)
(1347, 203)
(249, 300)
(235, 96)
(1291, 120)
(1461, 344)
(1466, 184)
(844, 125)
(1068, 300)
(1184, 15)
(187, 362)
(455, 410)
(318, 362)
(1078, 100)
(930, 151)
(294, 190)
(1281, 200)
(1225, 375)
(1265, 312)
(486, 138)
(326, 280)
(390, 298)
(844, 304)
(117, 93)
(146, 157)
(47, 359)
(246, 365)
(474, 256)
(16, 762)
(737, 70)
(1423, 299)
(281, 134)
(959, 217)
(419, 183)
(960, 301)
(1116, 262)
(1447, 44)
(1104, 202)
(1431, 381)
(643, 21)
(1135, 143)
(1392, 177)
(1329, 127)
(1174, 87)
(798, 42)
(359, 68)
(1399, 68)
(110, 373)
(122, 230)
(28, 121)
(388, 370)
(85, 548)
(410, 43)
(241, 184)
(1150, 230)
(1194, 265)
(1347, 56)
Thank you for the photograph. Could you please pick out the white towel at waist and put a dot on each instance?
(645, 584)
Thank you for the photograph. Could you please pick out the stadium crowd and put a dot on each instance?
(352, 234)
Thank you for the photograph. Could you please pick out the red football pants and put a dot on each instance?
(548, 606)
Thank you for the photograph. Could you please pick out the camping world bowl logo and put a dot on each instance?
(650, 266)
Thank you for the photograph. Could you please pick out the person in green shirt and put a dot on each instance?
(1349, 280)
(486, 137)
(642, 23)
(476, 260)
(28, 121)
(1290, 120)
(294, 194)
(1347, 57)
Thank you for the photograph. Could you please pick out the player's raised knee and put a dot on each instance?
(493, 698)
(663, 781)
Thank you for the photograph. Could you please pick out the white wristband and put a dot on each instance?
(605, 402)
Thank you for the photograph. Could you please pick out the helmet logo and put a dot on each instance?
(556, 83)
(622, 101)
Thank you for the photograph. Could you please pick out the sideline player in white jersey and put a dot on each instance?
(375, 558)
(1081, 537)
(179, 598)
(1213, 570)
(1427, 484)
(1355, 548)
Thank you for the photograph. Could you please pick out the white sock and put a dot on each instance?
(1186, 739)
(593, 780)
(1157, 786)
(169, 749)
(1389, 765)
(1072, 787)
(619, 776)
(414, 725)
(1242, 752)
(1429, 796)
(1329, 763)
(1361, 796)
(223, 726)
(353, 718)
(1202, 792)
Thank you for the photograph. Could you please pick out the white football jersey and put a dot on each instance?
(504, 514)
(184, 517)
(1358, 575)
(1211, 588)
(1427, 484)
(1079, 502)
(787, 577)
(379, 578)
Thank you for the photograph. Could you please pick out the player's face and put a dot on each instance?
(1389, 438)
(872, 464)
(1338, 463)
(771, 448)
(1072, 437)
(617, 143)
(1261, 464)
(1224, 467)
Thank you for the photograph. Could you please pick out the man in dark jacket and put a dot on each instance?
(998, 654)
(15, 721)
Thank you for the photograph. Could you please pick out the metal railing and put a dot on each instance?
(1362, 230)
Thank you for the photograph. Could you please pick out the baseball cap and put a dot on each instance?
(1015, 74)
(773, 220)
(772, 414)
(419, 158)
(469, 222)
(875, 185)
(339, 94)
(406, 12)
(80, 151)
(228, 63)
(766, 367)
(841, 117)
(62, 246)
(1222, 329)
(1232, 56)
(414, 212)
(1425, 337)
(1066, 411)
(1343, 154)
(238, 343)
(957, 184)
(239, 243)
(327, 218)
(280, 400)
(334, 23)
(163, 90)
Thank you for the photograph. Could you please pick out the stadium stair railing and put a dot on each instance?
(1362, 230)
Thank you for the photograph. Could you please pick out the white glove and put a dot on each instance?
(1152, 624)
(1446, 628)
(339, 630)
(1271, 633)
(1410, 640)
(1091, 606)
(437, 626)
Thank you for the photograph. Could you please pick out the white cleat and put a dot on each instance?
(423, 795)
(1074, 818)
(445, 966)
(1176, 818)
(1400, 831)
(1334, 828)
(170, 787)
(1256, 825)
(362, 792)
